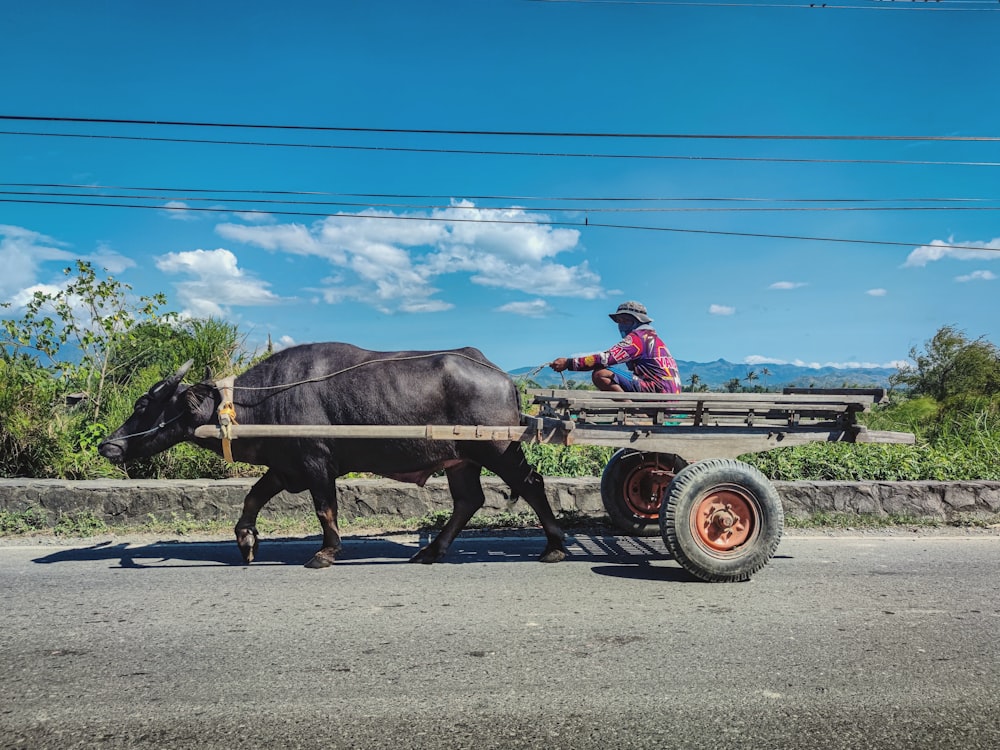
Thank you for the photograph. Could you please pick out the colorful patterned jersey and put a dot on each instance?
(645, 354)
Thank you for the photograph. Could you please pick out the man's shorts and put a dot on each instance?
(632, 384)
(628, 382)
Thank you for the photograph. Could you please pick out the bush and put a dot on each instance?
(568, 461)
(22, 522)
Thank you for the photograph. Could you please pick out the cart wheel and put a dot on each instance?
(721, 520)
(632, 487)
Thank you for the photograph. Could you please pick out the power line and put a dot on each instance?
(911, 5)
(454, 220)
(594, 198)
(526, 209)
(489, 152)
(505, 133)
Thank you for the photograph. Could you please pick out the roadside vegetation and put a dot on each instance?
(84, 524)
(75, 361)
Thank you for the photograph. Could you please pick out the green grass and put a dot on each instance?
(19, 522)
(826, 520)
(81, 524)
(866, 521)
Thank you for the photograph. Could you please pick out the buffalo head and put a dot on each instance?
(163, 417)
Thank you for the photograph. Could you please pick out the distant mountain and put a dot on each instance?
(716, 374)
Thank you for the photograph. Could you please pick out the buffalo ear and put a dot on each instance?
(196, 395)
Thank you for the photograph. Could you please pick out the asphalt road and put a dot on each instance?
(841, 642)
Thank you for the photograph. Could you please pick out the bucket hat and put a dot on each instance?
(636, 309)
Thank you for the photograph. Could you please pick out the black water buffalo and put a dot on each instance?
(341, 384)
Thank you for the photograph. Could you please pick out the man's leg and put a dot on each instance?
(605, 380)
(609, 380)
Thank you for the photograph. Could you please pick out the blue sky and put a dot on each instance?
(729, 241)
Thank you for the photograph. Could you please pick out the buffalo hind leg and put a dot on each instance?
(467, 497)
(325, 502)
(525, 482)
(247, 537)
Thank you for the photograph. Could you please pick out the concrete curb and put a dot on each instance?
(134, 502)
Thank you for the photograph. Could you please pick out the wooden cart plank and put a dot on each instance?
(371, 432)
(864, 398)
(693, 443)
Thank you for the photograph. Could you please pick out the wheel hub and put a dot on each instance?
(724, 519)
(644, 490)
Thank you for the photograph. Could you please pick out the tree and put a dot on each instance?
(78, 329)
(211, 343)
(733, 385)
(765, 372)
(751, 376)
(952, 365)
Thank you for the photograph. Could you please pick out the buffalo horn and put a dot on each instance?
(170, 384)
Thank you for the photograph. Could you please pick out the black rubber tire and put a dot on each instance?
(628, 475)
(721, 520)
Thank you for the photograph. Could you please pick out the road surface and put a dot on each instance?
(841, 642)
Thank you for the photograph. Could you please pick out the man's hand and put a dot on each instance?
(559, 364)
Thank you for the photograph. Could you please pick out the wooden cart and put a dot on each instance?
(675, 471)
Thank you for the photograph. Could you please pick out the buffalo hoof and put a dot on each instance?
(427, 555)
(322, 559)
(248, 541)
(553, 555)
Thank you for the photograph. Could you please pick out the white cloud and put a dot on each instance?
(22, 252)
(939, 249)
(110, 260)
(536, 308)
(217, 284)
(756, 359)
(856, 365)
(787, 285)
(179, 211)
(392, 261)
(876, 292)
(290, 238)
(977, 276)
(254, 217)
(721, 310)
(24, 296)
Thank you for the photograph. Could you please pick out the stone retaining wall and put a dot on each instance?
(136, 501)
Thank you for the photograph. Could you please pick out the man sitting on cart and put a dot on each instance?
(641, 350)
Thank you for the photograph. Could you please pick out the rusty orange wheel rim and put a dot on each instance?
(644, 490)
(726, 518)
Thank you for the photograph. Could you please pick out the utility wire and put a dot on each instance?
(911, 5)
(488, 152)
(525, 209)
(428, 196)
(517, 133)
(453, 220)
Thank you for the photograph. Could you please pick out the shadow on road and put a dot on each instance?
(619, 556)
(273, 551)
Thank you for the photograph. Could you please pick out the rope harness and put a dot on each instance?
(226, 387)
(227, 415)
(151, 430)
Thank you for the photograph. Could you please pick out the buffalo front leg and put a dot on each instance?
(467, 496)
(524, 481)
(247, 537)
(325, 502)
